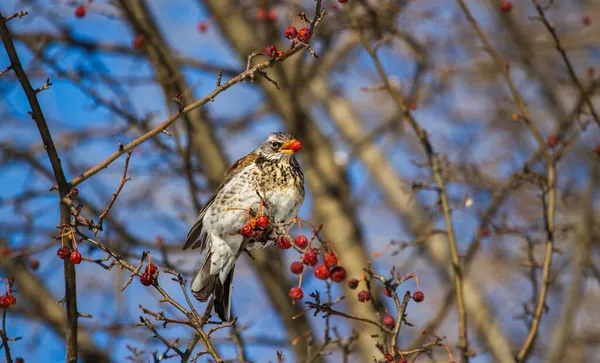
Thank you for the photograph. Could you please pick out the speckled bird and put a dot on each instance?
(271, 173)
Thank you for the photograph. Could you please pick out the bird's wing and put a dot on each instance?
(195, 237)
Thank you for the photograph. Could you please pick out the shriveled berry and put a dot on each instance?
(296, 267)
(418, 296)
(138, 42)
(353, 283)
(387, 292)
(506, 6)
(389, 321)
(151, 269)
(310, 257)
(301, 241)
(262, 222)
(304, 35)
(322, 272)
(337, 274)
(331, 260)
(34, 264)
(202, 27)
(364, 296)
(146, 280)
(80, 11)
(271, 51)
(552, 141)
(63, 253)
(290, 32)
(75, 192)
(296, 293)
(284, 243)
(246, 230)
(10, 299)
(75, 257)
(388, 357)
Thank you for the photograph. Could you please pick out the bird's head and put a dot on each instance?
(278, 146)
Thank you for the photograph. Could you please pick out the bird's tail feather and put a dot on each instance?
(204, 284)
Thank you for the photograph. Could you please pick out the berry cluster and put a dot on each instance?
(302, 34)
(255, 227)
(64, 253)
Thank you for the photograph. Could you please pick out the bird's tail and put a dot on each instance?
(204, 285)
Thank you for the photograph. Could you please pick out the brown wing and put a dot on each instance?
(195, 237)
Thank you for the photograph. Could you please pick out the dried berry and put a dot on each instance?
(296, 267)
(271, 51)
(262, 222)
(80, 11)
(389, 321)
(151, 269)
(364, 296)
(353, 283)
(310, 257)
(146, 280)
(34, 264)
(337, 274)
(418, 296)
(284, 243)
(506, 6)
(290, 32)
(331, 260)
(296, 293)
(304, 35)
(246, 230)
(301, 241)
(75, 257)
(63, 253)
(322, 272)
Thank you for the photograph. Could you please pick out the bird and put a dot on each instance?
(268, 177)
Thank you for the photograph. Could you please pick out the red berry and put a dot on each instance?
(353, 283)
(418, 296)
(202, 27)
(262, 222)
(506, 6)
(586, 20)
(284, 243)
(5, 252)
(296, 293)
(388, 357)
(331, 260)
(138, 42)
(301, 241)
(262, 13)
(74, 192)
(246, 230)
(304, 35)
(146, 280)
(272, 15)
(80, 11)
(364, 296)
(552, 141)
(271, 51)
(63, 253)
(310, 257)
(337, 274)
(34, 264)
(322, 272)
(389, 321)
(19, 360)
(290, 32)
(342, 1)
(3, 302)
(403, 360)
(296, 267)
(296, 145)
(75, 257)
(151, 269)
(10, 299)
(387, 292)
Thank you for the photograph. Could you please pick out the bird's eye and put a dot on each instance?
(276, 144)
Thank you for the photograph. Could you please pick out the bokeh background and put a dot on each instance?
(116, 70)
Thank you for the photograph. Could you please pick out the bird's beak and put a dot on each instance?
(286, 148)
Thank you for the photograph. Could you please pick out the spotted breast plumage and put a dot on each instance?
(267, 178)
